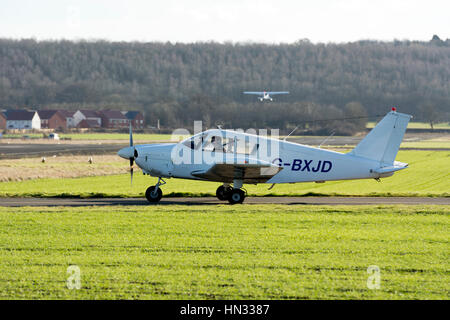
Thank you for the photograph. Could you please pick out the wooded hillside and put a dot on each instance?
(178, 83)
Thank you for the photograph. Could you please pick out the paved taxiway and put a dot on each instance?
(17, 148)
(69, 202)
(23, 150)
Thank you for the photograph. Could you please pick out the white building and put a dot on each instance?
(22, 119)
(70, 120)
(81, 115)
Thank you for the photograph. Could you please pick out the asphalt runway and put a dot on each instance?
(21, 149)
(69, 202)
(26, 150)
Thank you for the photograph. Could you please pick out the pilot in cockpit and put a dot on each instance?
(216, 142)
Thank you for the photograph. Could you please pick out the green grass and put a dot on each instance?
(418, 125)
(428, 175)
(21, 135)
(426, 144)
(225, 252)
(436, 143)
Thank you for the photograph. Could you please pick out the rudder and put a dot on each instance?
(383, 141)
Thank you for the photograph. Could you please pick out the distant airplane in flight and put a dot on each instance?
(265, 95)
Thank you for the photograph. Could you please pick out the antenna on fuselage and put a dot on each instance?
(290, 133)
(219, 124)
(332, 134)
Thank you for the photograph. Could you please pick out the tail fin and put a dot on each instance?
(383, 142)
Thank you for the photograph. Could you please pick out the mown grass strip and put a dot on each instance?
(223, 252)
(428, 175)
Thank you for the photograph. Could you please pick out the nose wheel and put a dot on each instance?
(154, 193)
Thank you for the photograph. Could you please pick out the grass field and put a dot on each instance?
(426, 144)
(60, 167)
(418, 125)
(223, 252)
(428, 175)
(441, 142)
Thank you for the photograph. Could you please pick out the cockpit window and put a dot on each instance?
(247, 147)
(218, 143)
(195, 142)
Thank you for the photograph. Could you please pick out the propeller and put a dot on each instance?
(129, 153)
(132, 158)
(131, 172)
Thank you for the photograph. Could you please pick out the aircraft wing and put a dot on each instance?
(277, 92)
(254, 92)
(256, 171)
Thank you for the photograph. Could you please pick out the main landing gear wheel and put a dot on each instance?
(153, 195)
(223, 192)
(236, 196)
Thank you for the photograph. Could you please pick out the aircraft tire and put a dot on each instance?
(236, 196)
(151, 197)
(222, 193)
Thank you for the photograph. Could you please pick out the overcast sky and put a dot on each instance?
(225, 20)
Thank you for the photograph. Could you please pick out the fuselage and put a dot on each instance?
(237, 158)
(299, 163)
(265, 96)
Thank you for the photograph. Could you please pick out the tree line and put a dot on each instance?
(177, 83)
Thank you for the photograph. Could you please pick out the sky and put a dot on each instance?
(280, 21)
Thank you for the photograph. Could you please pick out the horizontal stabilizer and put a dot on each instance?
(396, 167)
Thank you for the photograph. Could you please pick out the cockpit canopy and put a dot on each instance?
(223, 141)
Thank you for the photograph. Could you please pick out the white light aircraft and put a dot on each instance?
(265, 95)
(236, 158)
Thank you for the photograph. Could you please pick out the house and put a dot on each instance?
(70, 121)
(87, 123)
(113, 119)
(86, 115)
(22, 119)
(136, 118)
(2, 121)
(52, 119)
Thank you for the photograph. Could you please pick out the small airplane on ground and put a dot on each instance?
(265, 95)
(235, 158)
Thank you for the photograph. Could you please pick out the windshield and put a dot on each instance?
(217, 143)
(195, 142)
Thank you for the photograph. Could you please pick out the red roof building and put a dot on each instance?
(87, 115)
(86, 123)
(113, 119)
(69, 116)
(2, 121)
(136, 118)
(52, 119)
